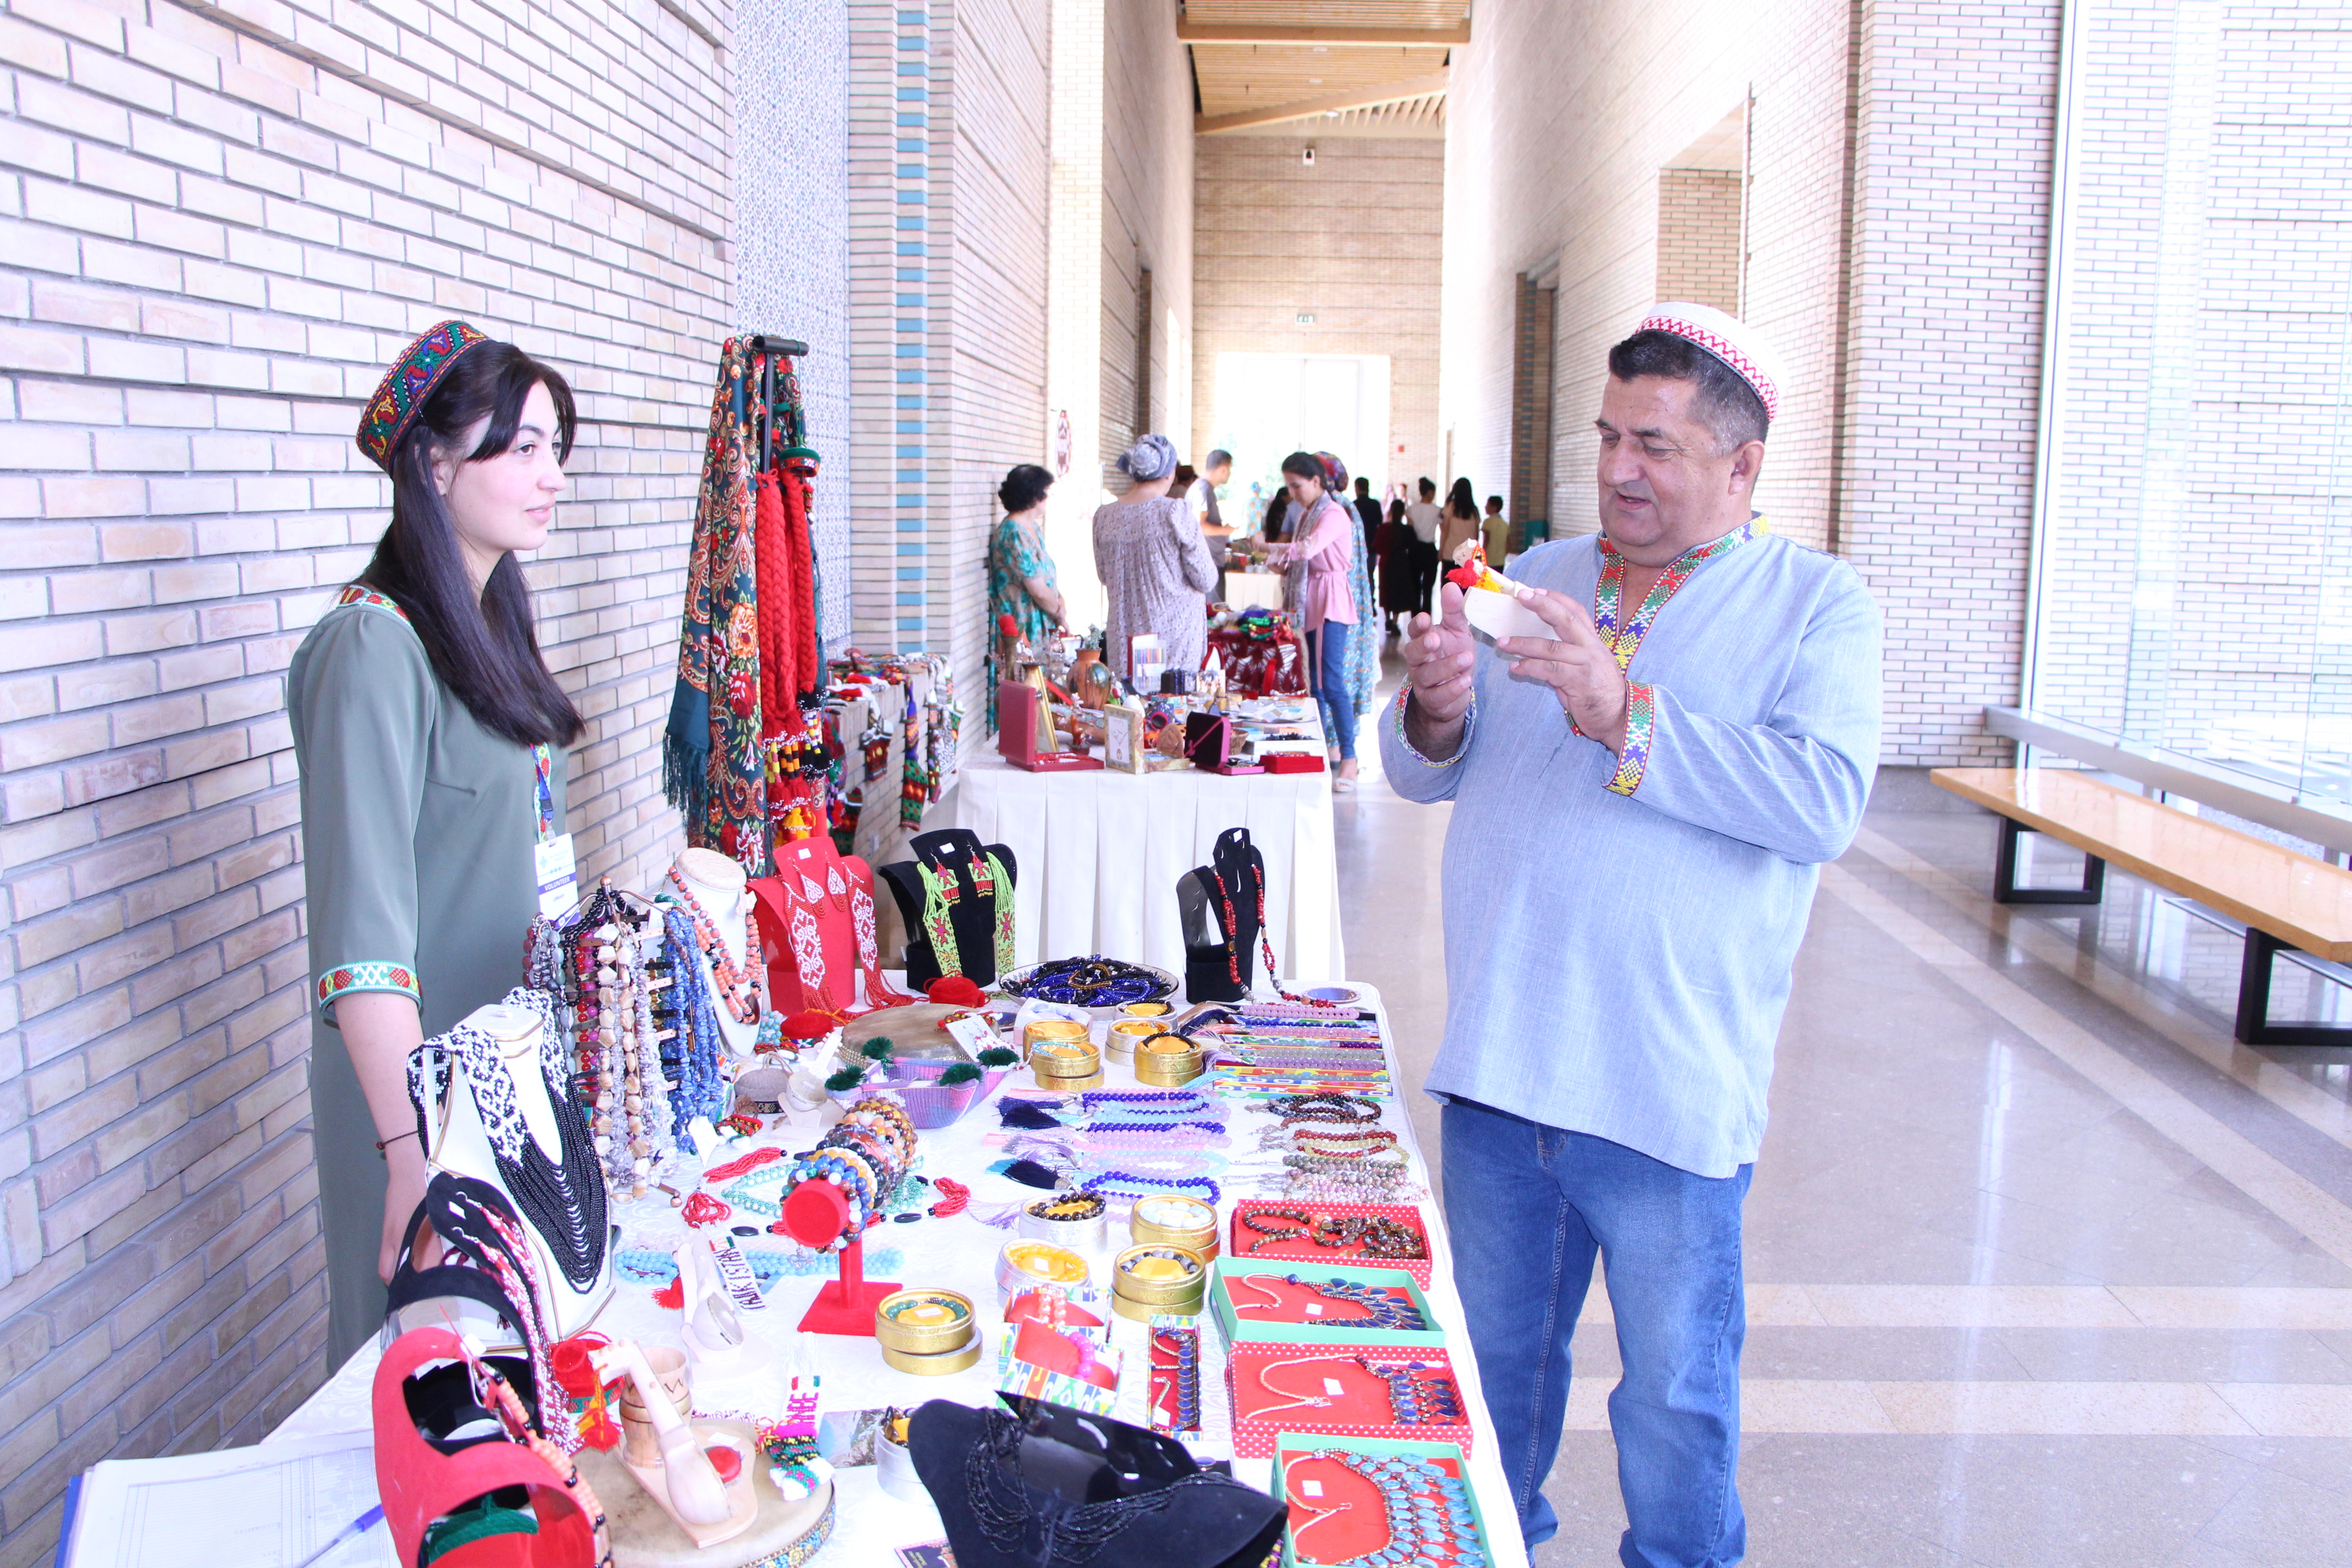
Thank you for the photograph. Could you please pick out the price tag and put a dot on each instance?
(558, 875)
(972, 1032)
(1313, 1309)
(1310, 1487)
(1332, 1386)
(742, 1285)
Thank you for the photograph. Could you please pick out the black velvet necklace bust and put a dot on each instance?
(1063, 1489)
(950, 853)
(1220, 904)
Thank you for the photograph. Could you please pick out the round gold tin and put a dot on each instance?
(1052, 1031)
(1181, 1221)
(1144, 1009)
(1078, 1220)
(1158, 1277)
(1167, 1062)
(1026, 1263)
(923, 1321)
(938, 1365)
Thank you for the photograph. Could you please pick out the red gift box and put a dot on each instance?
(1306, 1251)
(1271, 1387)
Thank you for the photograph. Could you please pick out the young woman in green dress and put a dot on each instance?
(430, 738)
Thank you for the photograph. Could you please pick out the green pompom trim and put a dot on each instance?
(844, 1080)
(877, 1049)
(997, 1056)
(962, 1072)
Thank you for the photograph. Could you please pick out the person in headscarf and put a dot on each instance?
(1154, 563)
(1334, 598)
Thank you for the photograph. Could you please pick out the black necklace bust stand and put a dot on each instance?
(1223, 905)
(958, 860)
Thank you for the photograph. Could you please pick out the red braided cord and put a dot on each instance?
(808, 668)
(958, 1196)
(772, 567)
(764, 1155)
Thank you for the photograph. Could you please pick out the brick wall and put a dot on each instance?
(1147, 222)
(1894, 223)
(221, 222)
(1698, 237)
(1354, 240)
(949, 177)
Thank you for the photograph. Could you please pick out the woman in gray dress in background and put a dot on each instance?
(430, 739)
(1154, 563)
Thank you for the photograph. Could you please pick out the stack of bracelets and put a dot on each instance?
(867, 1154)
(1089, 982)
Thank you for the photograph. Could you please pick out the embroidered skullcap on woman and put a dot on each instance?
(1728, 338)
(1151, 458)
(405, 386)
(1335, 472)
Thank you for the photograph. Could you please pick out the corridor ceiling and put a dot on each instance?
(1349, 65)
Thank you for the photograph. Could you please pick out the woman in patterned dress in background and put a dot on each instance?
(1022, 582)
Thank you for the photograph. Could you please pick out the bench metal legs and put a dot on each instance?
(2004, 876)
(2254, 1025)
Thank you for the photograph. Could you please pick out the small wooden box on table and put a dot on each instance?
(2285, 901)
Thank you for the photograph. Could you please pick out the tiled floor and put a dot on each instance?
(2043, 1268)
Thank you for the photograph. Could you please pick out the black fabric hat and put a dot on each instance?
(1063, 1487)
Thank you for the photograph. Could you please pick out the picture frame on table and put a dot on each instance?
(1146, 657)
(1123, 748)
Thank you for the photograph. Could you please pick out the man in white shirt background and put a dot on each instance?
(1422, 517)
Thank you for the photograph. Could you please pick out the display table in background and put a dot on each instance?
(959, 1252)
(1098, 855)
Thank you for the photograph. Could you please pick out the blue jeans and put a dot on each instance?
(1528, 1206)
(1327, 656)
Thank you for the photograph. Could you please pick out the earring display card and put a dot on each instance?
(1326, 1222)
(1324, 1303)
(1351, 1391)
(1340, 1514)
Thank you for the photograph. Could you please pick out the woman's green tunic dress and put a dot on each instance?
(417, 829)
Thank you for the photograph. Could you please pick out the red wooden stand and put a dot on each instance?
(814, 1213)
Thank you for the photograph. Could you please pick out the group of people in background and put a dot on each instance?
(1351, 572)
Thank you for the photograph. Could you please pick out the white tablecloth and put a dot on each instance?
(959, 1254)
(1098, 855)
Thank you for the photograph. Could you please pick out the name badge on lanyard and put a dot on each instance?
(552, 863)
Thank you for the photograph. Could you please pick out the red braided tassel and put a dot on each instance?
(799, 497)
(772, 570)
(958, 1197)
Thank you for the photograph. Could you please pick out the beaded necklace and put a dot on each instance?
(1383, 1307)
(701, 1087)
(737, 986)
(631, 1120)
(942, 890)
(1429, 1517)
(564, 1202)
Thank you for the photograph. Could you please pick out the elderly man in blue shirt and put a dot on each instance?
(1642, 801)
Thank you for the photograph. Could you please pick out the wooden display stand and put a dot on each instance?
(644, 1536)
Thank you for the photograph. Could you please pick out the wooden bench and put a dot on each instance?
(2286, 901)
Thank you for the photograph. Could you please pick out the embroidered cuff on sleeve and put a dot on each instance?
(368, 974)
(1640, 719)
(1469, 725)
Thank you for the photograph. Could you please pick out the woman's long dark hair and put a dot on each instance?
(1462, 502)
(482, 646)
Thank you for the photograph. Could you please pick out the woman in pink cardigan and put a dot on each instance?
(1325, 539)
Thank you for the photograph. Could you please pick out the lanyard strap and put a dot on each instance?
(543, 778)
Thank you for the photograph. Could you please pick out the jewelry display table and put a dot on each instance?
(959, 1252)
(1100, 852)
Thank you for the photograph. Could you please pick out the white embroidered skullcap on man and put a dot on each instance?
(1728, 339)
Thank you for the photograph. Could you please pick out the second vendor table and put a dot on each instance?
(1098, 853)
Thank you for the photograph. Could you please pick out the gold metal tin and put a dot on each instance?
(1026, 1263)
(1167, 1062)
(938, 1365)
(1183, 1282)
(1085, 1233)
(1175, 1218)
(1144, 1009)
(1057, 1031)
(923, 1321)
